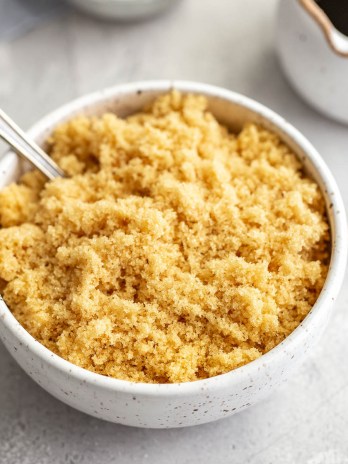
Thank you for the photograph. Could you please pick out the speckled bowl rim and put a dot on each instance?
(276, 355)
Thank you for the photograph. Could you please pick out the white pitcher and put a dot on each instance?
(314, 56)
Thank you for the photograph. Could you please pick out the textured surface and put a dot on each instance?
(306, 421)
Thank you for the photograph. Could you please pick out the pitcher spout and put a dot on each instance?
(337, 41)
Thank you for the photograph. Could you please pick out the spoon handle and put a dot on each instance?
(27, 149)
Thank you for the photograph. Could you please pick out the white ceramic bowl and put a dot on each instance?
(123, 10)
(175, 405)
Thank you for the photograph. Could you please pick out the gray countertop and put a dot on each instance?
(227, 43)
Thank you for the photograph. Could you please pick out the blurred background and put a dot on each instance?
(50, 53)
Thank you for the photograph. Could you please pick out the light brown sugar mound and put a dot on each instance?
(174, 251)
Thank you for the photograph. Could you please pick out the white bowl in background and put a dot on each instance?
(176, 405)
(123, 10)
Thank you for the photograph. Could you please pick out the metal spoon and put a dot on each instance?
(27, 149)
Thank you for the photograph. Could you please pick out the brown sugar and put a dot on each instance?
(174, 251)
